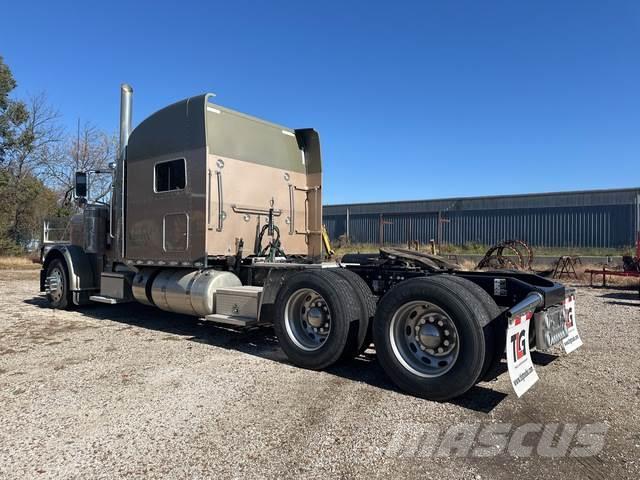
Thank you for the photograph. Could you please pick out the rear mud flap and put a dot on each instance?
(572, 341)
(521, 371)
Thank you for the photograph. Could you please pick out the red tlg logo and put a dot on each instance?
(519, 339)
(519, 345)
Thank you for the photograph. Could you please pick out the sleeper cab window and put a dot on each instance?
(170, 176)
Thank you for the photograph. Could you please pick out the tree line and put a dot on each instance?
(38, 161)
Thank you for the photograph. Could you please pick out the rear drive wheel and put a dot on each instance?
(428, 339)
(57, 285)
(317, 316)
(367, 304)
(494, 328)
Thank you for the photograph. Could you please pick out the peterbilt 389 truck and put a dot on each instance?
(218, 214)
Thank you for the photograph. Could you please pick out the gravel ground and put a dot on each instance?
(128, 390)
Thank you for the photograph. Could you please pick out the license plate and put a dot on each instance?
(550, 326)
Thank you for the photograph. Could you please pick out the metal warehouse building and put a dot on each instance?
(597, 218)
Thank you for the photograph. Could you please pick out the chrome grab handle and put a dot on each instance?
(209, 199)
(292, 211)
(220, 210)
(316, 199)
(255, 211)
(111, 211)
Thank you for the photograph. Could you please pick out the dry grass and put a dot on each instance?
(18, 263)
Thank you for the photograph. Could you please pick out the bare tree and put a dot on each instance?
(38, 162)
(90, 150)
(40, 132)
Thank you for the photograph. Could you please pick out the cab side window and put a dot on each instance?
(171, 175)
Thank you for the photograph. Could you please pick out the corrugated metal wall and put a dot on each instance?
(599, 219)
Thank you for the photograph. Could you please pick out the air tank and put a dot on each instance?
(76, 230)
(95, 228)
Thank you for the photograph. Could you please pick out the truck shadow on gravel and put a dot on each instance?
(626, 298)
(259, 341)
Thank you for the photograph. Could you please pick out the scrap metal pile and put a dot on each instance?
(508, 255)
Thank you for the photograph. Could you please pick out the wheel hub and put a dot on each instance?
(429, 336)
(315, 317)
(307, 319)
(424, 338)
(53, 284)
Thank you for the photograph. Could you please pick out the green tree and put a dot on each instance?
(23, 207)
(26, 130)
(13, 114)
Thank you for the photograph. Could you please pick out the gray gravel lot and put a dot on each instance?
(130, 391)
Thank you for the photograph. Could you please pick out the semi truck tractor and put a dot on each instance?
(218, 214)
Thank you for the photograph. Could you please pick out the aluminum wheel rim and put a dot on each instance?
(424, 339)
(55, 284)
(307, 319)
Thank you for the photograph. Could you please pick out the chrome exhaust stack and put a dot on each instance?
(118, 198)
(126, 100)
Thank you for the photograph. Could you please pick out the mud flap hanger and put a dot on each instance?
(521, 370)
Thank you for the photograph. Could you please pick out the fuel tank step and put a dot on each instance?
(231, 319)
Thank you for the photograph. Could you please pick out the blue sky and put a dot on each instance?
(412, 99)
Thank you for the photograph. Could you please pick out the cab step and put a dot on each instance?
(109, 300)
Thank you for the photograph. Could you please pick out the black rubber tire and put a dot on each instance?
(455, 302)
(494, 332)
(65, 301)
(499, 326)
(367, 310)
(345, 313)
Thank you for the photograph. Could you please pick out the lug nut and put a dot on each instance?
(440, 349)
(440, 323)
(446, 333)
